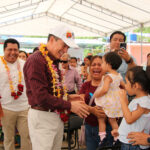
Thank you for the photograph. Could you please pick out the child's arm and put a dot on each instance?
(129, 116)
(122, 84)
(115, 133)
(105, 88)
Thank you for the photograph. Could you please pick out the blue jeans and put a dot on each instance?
(92, 137)
(129, 147)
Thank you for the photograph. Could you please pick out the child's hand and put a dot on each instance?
(122, 94)
(115, 133)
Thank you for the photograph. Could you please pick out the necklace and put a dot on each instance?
(19, 86)
(55, 80)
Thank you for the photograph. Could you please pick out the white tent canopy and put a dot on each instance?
(86, 17)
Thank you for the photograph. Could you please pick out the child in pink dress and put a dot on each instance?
(107, 95)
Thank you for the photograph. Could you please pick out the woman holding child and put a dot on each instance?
(87, 89)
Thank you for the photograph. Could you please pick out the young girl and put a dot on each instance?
(136, 114)
(107, 95)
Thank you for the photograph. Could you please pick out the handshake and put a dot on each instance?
(79, 107)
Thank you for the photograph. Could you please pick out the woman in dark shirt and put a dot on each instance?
(91, 123)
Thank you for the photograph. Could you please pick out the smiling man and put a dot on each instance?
(45, 91)
(13, 96)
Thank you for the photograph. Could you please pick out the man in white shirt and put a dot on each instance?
(13, 96)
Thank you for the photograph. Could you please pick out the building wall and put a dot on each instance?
(136, 52)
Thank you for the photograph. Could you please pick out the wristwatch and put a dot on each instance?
(129, 61)
(148, 140)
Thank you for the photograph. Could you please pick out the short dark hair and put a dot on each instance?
(35, 49)
(73, 58)
(13, 41)
(89, 57)
(24, 53)
(50, 35)
(113, 59)
(138, 75)
(118, 32)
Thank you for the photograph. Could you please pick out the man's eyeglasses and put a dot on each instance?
(63, 61)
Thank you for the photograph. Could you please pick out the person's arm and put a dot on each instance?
(105, 88)
(129, 116)
(34, 72)
(130, 63)
(80, 108)
(128, 59)
(97, 111)
(122, 84)
(138, 138)
(115, 133)
(72, 97)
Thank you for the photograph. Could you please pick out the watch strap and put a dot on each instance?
(148, 140)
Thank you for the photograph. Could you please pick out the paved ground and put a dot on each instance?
(65, 144)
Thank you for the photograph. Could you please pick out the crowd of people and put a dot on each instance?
(39, 92)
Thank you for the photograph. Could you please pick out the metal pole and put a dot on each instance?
(141, 43)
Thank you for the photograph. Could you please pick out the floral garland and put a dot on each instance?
(19, 86)
(56, 83)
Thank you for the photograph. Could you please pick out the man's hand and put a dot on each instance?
(138, 138)
(124, 54)
(97, 111)
(80, 108)
(73, 97)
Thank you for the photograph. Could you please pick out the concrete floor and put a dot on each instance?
(65, 144)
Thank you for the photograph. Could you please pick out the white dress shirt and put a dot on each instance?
(7, 101)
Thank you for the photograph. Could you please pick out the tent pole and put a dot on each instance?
(141, 28)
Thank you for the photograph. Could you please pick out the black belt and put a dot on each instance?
(41, 108)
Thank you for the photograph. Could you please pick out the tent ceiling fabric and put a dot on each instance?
(86, 17)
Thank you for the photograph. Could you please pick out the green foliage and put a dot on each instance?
(86, 51)
(90, 48)
(145, 30)
(144, 39)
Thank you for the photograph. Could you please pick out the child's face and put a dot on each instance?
(105, 65)
(73, 63)
(129, 88)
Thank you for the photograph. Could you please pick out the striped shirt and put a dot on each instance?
(38, 81)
